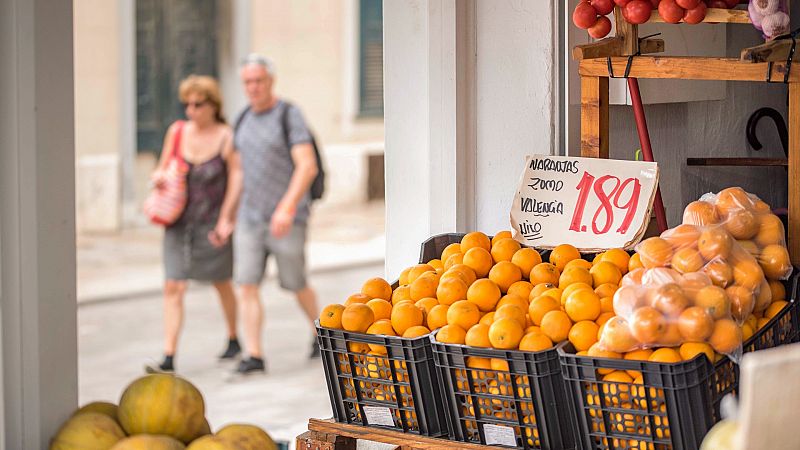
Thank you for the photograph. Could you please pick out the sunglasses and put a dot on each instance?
(195, 104)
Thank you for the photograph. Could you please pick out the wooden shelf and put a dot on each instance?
(714, 15)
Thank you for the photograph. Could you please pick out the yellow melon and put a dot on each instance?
(149, 442)
(87, 431)
(249, 437)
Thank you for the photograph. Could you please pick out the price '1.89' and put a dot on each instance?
(609, 202)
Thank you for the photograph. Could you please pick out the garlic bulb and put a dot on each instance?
(776, 24)
(765, 7)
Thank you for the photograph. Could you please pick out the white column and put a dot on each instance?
(37, 220)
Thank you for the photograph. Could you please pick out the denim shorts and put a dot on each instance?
(252, 245)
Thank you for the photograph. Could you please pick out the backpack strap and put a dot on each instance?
(285, 124)
(240, 118)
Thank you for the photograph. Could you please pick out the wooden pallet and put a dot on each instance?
(330, 435)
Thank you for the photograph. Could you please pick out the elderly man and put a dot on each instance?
(278, 165)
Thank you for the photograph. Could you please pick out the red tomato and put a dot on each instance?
(655, 3)
(603, 7)
(670, 11)
(584, 15)
(732, 3)
(717, 4)
(638, 11)
(687, 4)
(601, 28)
(695, 15)
(622, 3)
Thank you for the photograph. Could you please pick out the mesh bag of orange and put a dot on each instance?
(700, 281)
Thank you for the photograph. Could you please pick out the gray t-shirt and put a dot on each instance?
(267, 161)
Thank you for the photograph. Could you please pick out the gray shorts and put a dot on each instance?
(188, 254)
(253, 243)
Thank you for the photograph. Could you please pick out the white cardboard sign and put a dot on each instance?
(591, 203)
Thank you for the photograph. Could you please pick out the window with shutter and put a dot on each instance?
(370, 102)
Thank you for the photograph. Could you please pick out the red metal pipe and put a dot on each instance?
(647, 149)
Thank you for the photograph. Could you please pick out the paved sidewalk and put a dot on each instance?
(128, 264)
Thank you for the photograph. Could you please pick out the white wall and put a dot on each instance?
(469, 91)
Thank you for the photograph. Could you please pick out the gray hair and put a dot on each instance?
(259, 60)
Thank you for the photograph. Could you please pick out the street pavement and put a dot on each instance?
(120, 322)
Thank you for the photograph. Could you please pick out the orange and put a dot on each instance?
(693, 282)
(426, 304)
(700, 213)
(742, 224)
(452, 260)
(682, 236)
(619, 258)
(381, 309)
(778, 290)
(437, 264)
(500, 235)
(504, 249)
(437, 316)
(574, 287)
(603, 318)
(637, 355)
(331, 316)
(499, 365)
(733, 199)
(479, 260)
(583, 335)
(606, 305)
(761, 323)
(742, 302)
(715, 300)
(748, 273)
(403, 278)
(400, 294)
(671, 337)
(770, 230)
(539, 289)
(760, 206)
(563, 254)
(596, 351)
(714, 242)
(451, 334)
(665, 355)
(574, 275)
(377, 288)
(654, 252)
(668, 299)
(358, 347)
(464, 314)
(357, 317)
(484, 293)
(451, 290)
(416, 331)
(478, 336)
(357, 298)
(476, 239)
(521, 289)
(720, 273)
(647, 325)
(556, 325)
(775, 308)
(540, 306)
(424, 286)
(695, 324)
(583, 304)
(466, 273)
(450, 250)
(474, 362)
(418, 270)
(405, 316)
(635, 263)
(526, 259)
(748, 331)
(605, 272)
(726, 337)
(505, 333)
(511, 312)
(775, 261)
(626, 299)
(749, 246)
(510, 299)
(687, 260)
(504, 274)
(616, 387)
(606, 290)
(544, 273)
(487, 318)
(535, 342)
(380, 327)
(533, 329)
(579, 263)
(689, 350)
(555, 292)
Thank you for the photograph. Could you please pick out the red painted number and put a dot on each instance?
(609, 201)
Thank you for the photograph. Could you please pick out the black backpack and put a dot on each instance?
(317, 188)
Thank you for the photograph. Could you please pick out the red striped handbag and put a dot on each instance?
(167, 200)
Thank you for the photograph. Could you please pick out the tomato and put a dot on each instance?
(584, 15)
(687, 4)
(717, 4)
(732, 3)
(603, 7)
(601, 28)
(695, 15)
(637, 11)
(622, 3)
(655, 3)
(670, 11)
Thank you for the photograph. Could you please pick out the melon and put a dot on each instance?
(249, 437)
(149, 442)
(87, 431)
(163, 404)
(213, 443)
(106, 408)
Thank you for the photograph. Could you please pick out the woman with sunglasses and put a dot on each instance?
(197, 246)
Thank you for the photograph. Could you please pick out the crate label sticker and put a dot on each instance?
(592, 203)
(378, 415)
(499, 435)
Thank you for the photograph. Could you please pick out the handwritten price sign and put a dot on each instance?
(591, 203)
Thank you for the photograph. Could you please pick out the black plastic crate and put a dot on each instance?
(524, 407)
(677, 403)
(397, 391)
